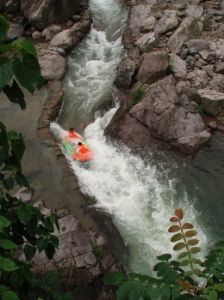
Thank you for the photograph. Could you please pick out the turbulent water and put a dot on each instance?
(140, 195)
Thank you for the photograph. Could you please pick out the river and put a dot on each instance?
(140, 194)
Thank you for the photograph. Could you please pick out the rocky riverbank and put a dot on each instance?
(88, 240)
(171, 75)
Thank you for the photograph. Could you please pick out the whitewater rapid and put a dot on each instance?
(139, 196)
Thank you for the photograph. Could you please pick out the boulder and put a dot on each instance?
(198, 44)
(195, 11)
(146, 42)
(41, 13)
(36, 35)
(218, 47)
(188, 29)
(208, 55)
(219, 67)
(53, 65)
(125, 73)
(69, 38)
(166, 120)
(178, 66)
(199, 79)
(153, 65)
(168, 21)
(212, 102)
(50, 31)
(217, 83)
(141, 19)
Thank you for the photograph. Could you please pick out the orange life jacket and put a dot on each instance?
(72, 134)
(83, 153)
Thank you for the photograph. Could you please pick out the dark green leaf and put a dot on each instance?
(190, 233)
(182, 255)
(15, 94)
(123, 292)
(4, 139)
(6, 73)
(7, 264)
(18, 145)
(114, 278)
(164, 257)
(136, 290)
(7, 245)
(4, 26)
(29, 251)
(9, 183)
(24, 213)
(41, 244)
(4, 222)
(25, 47)
(176, 237)
(195, 250)
(50, 250)
(212, 295)
(9, 295)
(54, 241)
(179, 246)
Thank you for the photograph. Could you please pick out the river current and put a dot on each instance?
(140, 194)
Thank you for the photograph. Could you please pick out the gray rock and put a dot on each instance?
(188, 29)
(209, 69)
(211, 101)
(190, 60)
(50, 31)
(146, 42)
(208, 55)
(42, 13)
(199, 79)
(168, 21)
(125, 72)
(24, 194)
(178, 66)
(53, 65)
(160, 112)
(36, 35)
(153, 65)
(219, 67)
(198, 44)
(76, 18)
(194, 11)
(184, 52)
(141, 19)
(192, 51)
(218, 47)
(217, 83)
(85, 259)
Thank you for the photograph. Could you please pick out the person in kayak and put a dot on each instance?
(72, 134)
(82, 153)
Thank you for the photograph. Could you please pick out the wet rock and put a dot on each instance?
(141, 19)
(146, 42)
(195, 11)
(36, 35)
(53, 65)
(219, 67)
(69, 38)
(153, 65)
(211, 101)
(167, 22)
(166, 120)
(199, 79)
(188, 29)
(125, 73)
(15, 31)
(42, 13)
(50, 31)
(178, 66)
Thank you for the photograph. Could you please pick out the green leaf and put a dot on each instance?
(193, 242)
(41, 244)
(136, 290)
(176, 237)
(190, 233)
(18, 145)
(54, 241)
(114, 278)
(28, 72)
(212, 295)
(7, 245)
(4, 26)
(25, 47)
(4, 222)
(219, 287)
(123, 292)
(174, 228)
(195, 250)
(4, 139)
(6, 73)
(29, 251)
(50, 250)
(182, 255)
(7, 264)
(24, 213)
(179, 246)
(15, 94)
(9, 295)
(165, 257)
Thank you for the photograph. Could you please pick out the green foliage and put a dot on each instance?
(23, 228)
(136, 96)
(99, 252)
(176, 279)
(207, 24)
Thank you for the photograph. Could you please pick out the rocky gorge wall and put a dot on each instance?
(170, 79)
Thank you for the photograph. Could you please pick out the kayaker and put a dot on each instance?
(72, 134)
(82, 153)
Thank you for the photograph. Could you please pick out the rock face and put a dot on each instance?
(166, 120)
(168, 21)
(125, 73)
(15, 31)
(178, 66)
(41, 13)
(146, 42)
(153, 66)
(189, 28)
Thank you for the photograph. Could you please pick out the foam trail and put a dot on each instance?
(132, 192)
